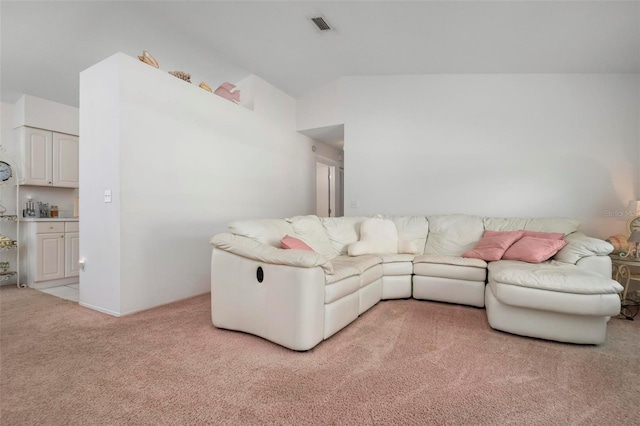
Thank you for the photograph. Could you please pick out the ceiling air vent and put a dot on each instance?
(321, 23)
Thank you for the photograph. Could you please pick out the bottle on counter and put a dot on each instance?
(53, 211)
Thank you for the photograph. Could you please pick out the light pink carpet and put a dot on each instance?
(403, 362)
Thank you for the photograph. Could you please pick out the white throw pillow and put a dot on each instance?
(380, 236)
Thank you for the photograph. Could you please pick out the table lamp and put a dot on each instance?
(634, 245)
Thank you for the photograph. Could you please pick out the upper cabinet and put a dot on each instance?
(65, 160)
(48, 158)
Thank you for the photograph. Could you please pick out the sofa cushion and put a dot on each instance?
(379, 248)
(452, 235)
(412, 228)
(266, 231)
(342, 231)
(450, 260)
(378, 229)
(290, 242)
(544, 224)
(456, 272)
(370, 275)
(533, 250)
(392, 257)
(579, 246)
(453, 267)
(546, 235)
(397, 268)
(348, 266)
(565, 225)
(505, 223)
(338, 289)
(360, 263)
(554, 286)
(493, 245)
(551, 276)
(555, 301)
(309, 228)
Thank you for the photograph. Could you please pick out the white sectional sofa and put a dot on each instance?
(297, 298)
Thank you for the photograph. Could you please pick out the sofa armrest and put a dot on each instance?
(252, 249)
(285, 306)
(598, 264)
(580, 246)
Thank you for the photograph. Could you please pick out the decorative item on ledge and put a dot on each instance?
(205, 86)
(226, 91)
(148, 59)
(181, 75)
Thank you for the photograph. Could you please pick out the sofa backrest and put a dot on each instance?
(453, 234)
(267, 231)
(543, 224)
(310, 230)
(412, 228)
(449, 235)
(342, 231)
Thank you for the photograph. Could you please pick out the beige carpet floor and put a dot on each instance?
(402, 362)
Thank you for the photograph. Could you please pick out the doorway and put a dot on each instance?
(325, 190)
(329, 190)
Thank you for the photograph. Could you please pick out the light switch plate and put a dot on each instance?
(107, 196)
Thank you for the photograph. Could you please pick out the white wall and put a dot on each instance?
(495, 145)
(181, 163)
(324, 107)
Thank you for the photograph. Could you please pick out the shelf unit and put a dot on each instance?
(8, 244)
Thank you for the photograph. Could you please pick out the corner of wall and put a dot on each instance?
(324, 107)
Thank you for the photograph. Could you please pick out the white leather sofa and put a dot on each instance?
(298, 298)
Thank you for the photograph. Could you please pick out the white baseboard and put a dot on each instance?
(99, 309)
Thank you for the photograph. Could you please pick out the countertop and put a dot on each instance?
(49, 219)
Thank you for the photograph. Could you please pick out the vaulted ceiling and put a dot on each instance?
(45, 45)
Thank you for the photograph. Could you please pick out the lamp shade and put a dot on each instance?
(634, 208)
(634, 237)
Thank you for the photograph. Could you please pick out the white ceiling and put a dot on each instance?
(44, 45)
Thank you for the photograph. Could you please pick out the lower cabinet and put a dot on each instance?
(49, 257)
(71, 254)
(52, 253)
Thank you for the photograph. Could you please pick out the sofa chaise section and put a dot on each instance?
(553, 300)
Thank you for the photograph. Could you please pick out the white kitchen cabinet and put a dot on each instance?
(48, 158)
(49, 257)
(72, 254)
(65, 160)
(52, 253)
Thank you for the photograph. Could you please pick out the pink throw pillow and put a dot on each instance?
(546, 235)
(533, 250)
(493, 245)
(289, 242)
